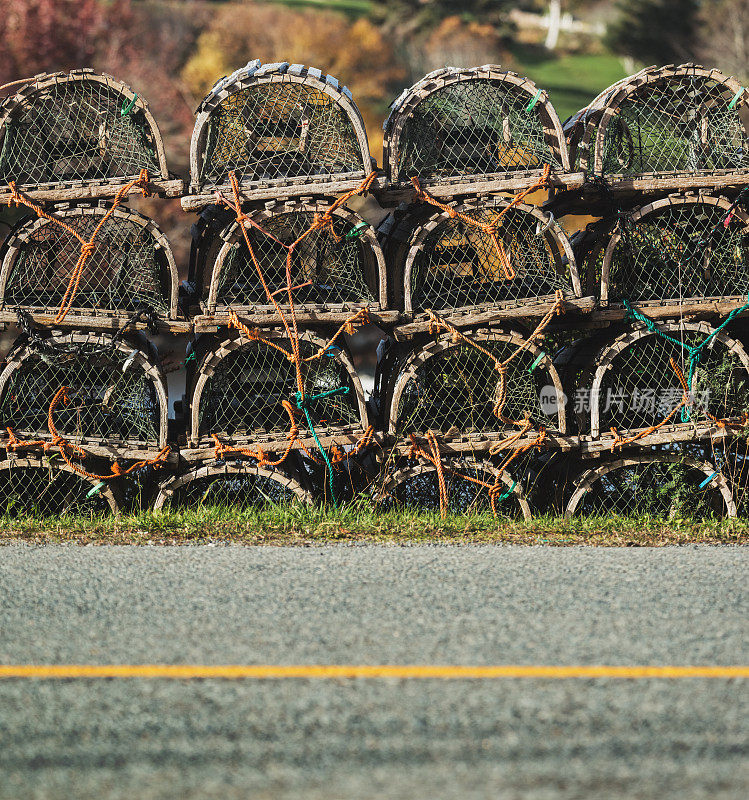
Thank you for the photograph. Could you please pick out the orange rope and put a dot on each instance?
(490, 228)
(87, 247)
(66, 448)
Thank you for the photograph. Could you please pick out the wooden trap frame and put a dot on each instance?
(279, 127)
(659, 484)
(131, 265)
(453, 388)
(665, 128)
(478, 129)
(646, 379)
(483, 255)
(78, 134)
(683, 249)
(244, 392)
(335, 269)
(467, 485)
(84, 392)
(238, 484)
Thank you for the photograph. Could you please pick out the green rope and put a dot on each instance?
(693, 352)
(506, 494)
(735, 99)
(533, 102)
(302, 404)
(96, 489)
(128, 107)
(356, 232)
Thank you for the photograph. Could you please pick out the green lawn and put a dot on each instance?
(301, 525)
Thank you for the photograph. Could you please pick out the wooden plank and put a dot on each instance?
(164, 188)
(112, 323)
(207, 323)
(677, 181)
(665, 310)
(685, 432)
(102, 448)
(420, 323)
(310, 188)
(481, 443)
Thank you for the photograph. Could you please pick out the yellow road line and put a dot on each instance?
(186, 671)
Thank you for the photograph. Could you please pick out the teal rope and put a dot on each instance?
(504, 496)
(533, 102)
(735, 99)
(128, 107)
(302, 404)
(694, 352)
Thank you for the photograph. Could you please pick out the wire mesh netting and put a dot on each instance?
(75, 130)
(458, 388)
(640, 387)
(237, 488)
(274, 130)
(127, 269)
(457, 265)
(327, 266)
(417, 488)
(473, 127)
(110, 394)
(681, 250)
(656, 486)
(245, 391)
(30, 488)
(680, 123)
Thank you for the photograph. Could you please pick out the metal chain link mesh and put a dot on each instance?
(279, 130)
(110, 395)
(472, 127)
(679, 124)
(681, 251)
(334, 267)
(124, 271)
(75, 130)
(458, 388)
(245, 392)
(46, 492)
(656, 488)
(458, 264)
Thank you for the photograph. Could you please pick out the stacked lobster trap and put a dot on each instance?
(523, 367)
(83, 398)
(282, 269)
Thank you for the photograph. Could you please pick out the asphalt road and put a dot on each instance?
(386, 738)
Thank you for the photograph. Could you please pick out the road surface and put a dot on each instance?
(323, 739)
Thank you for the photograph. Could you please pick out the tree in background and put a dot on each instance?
(49, 35)
(406, 17)
(724, 36)
(655, 31)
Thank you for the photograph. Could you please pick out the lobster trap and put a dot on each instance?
(678, 249)
(277, 125)
(480, 125)
(456, 389)
(131, 265)
(665, 126)
(657, 484)
(467, 485)
(487, 254)
(237, 485)
(93, 391)
(647, 378)
(78, 129)
(334, 268)
(39, 487)
(245, 391)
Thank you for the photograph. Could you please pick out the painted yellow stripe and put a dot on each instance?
(186, 671)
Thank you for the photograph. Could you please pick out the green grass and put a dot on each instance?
(571, 81)
(301, 525)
